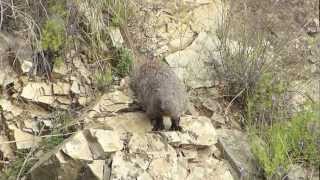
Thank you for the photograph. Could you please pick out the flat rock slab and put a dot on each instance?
(197, 131)
(113, 155)
(193, 65)
(236, 149)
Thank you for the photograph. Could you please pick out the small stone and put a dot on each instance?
(296, 172)
(218, 118)
(26, 66)
(25, 140)
(109, 140)
(9, 107)
(38, 92)
(75, 87)
(73, 145)
(116, 37)
(200, 127)
(61, 88)
(111, 103)
(97, 167)
(5, 148)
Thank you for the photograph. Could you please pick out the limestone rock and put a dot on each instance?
(10, 108)
(75, 87)
(60, 69)
(200, 127)
(193, 65)
(73, 145)
(218, 170)
(97, 168)
(128, 122)
(128, 166)
(60, 88)
(197, 132)
(38, 92)
(218, 119)
(25, 140)
(151, 144)
(137, 156)
(109, 140)
(207, 17)
(110, 103)
(236, 149)
(298, 172)
(55, 165)
(84, 150)
(5, 148)
(26, 66)
(82, 69)
(116, 37)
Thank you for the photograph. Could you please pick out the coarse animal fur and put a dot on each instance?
(160, 93)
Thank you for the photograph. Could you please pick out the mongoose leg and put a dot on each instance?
(175, 124)
(158, 125)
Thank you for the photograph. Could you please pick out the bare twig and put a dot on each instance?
(231, 102)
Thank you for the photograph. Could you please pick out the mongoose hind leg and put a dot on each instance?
(175, 124)
(158, 124)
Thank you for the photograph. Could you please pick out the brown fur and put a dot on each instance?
(159, 92)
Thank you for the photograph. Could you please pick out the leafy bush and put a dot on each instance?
(58, 8)
(20, 164)
(268, 102)
(49, 143)
(123, 62)
(103, 79)
(53, 34)
(119, 11)
(256, 78)
(286, 143)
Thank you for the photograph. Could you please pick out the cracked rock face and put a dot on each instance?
(125, 148)
(133, 156)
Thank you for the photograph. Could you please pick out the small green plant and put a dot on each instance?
(124, 62)
(286, 143)
(53, 34)
(267, 102)
(62, 120)
(58, 8)
(51, 142)
(103, 78)
(13, 170)
(58, 61)
(119, 11)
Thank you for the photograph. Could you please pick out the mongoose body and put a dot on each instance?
(160, 93)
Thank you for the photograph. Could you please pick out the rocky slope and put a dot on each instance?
(111, 142)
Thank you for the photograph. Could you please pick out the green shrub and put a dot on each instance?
(12, 171)
(285, 143)
(58, 61)
(53, 34)
(268, 102)
(124, 62)
(255, 76)
(58, 8)
(50, 143)
(103, 79)
(119, 11)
